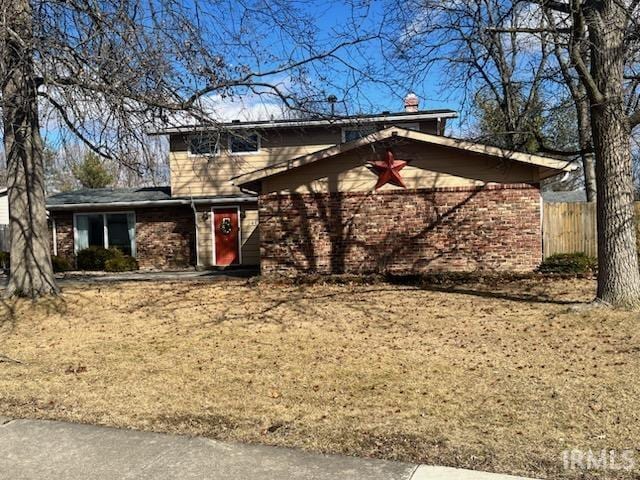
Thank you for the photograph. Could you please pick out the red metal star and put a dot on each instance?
(388, 170)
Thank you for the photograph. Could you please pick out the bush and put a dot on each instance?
(124, 263)
(4, 260)
(60, 264)
(95, 258)
(569, 263)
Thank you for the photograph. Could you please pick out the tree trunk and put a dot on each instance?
(589, 173)
(618, 275)
(584, 137)
(31, 273)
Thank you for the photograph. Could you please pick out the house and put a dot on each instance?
(383, 192)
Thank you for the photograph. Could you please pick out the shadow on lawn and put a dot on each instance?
(10, 314)
(284, 300)
(483, 287)
(301, 301)
(7, 316)
(297, 301)
(10, 309)
(478, 292)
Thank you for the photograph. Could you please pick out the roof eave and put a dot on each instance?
(148, 203)
(546, 163)
(339, 121)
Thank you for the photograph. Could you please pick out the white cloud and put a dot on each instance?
(247, 107)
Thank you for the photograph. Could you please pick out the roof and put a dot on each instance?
(110, 195)
(313, 122)
(571, 196)
(552, 164)
(131, 197)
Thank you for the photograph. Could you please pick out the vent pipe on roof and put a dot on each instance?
(411, 102)
(332, 99)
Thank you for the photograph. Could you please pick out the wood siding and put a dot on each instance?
(200, 175)
(249, 235)
(431, 167)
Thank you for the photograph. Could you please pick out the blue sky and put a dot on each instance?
(331, 18)
(332, 15)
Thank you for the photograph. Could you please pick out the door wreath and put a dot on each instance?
(225, 226)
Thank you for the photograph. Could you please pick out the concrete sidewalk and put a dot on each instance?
(87, 278)
(37, 449)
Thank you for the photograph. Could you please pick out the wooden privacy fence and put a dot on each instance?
(571, 227)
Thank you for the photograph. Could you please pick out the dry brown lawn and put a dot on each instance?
(493, 377)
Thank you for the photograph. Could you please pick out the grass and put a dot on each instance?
(499, 377)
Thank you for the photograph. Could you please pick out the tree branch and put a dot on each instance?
(576, 57)
(69, 123)
(552, 5)
(530, 30)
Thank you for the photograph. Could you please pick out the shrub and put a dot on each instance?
(124, 263)
(569, 263)
(60, 264)
(4, 260)
(95, 258)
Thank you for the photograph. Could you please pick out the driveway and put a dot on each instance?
(148, 276)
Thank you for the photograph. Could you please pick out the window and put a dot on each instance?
(350, 134)
(410, 126)
(247, 143)
(204, 144)
(106, 230)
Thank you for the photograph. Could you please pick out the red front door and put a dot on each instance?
(225, 234)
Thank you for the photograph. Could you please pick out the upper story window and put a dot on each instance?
(244, 143)
(353, 133)
(410, 126)
(208, 144)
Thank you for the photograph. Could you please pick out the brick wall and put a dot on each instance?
(165, 237)
(494, 228)
(64, 235)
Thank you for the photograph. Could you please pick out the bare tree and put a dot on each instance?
(31, 271)
(602, 42)
(578, 94)
(462, 44)
(496, 52)
(595, 47)
(105, 71)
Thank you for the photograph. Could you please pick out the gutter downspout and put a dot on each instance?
(195, 225)
(54, 234)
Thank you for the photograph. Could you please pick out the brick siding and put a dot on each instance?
(494, 228)
(64, 235)
(165, 237)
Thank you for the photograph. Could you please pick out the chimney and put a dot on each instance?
(411, 102)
